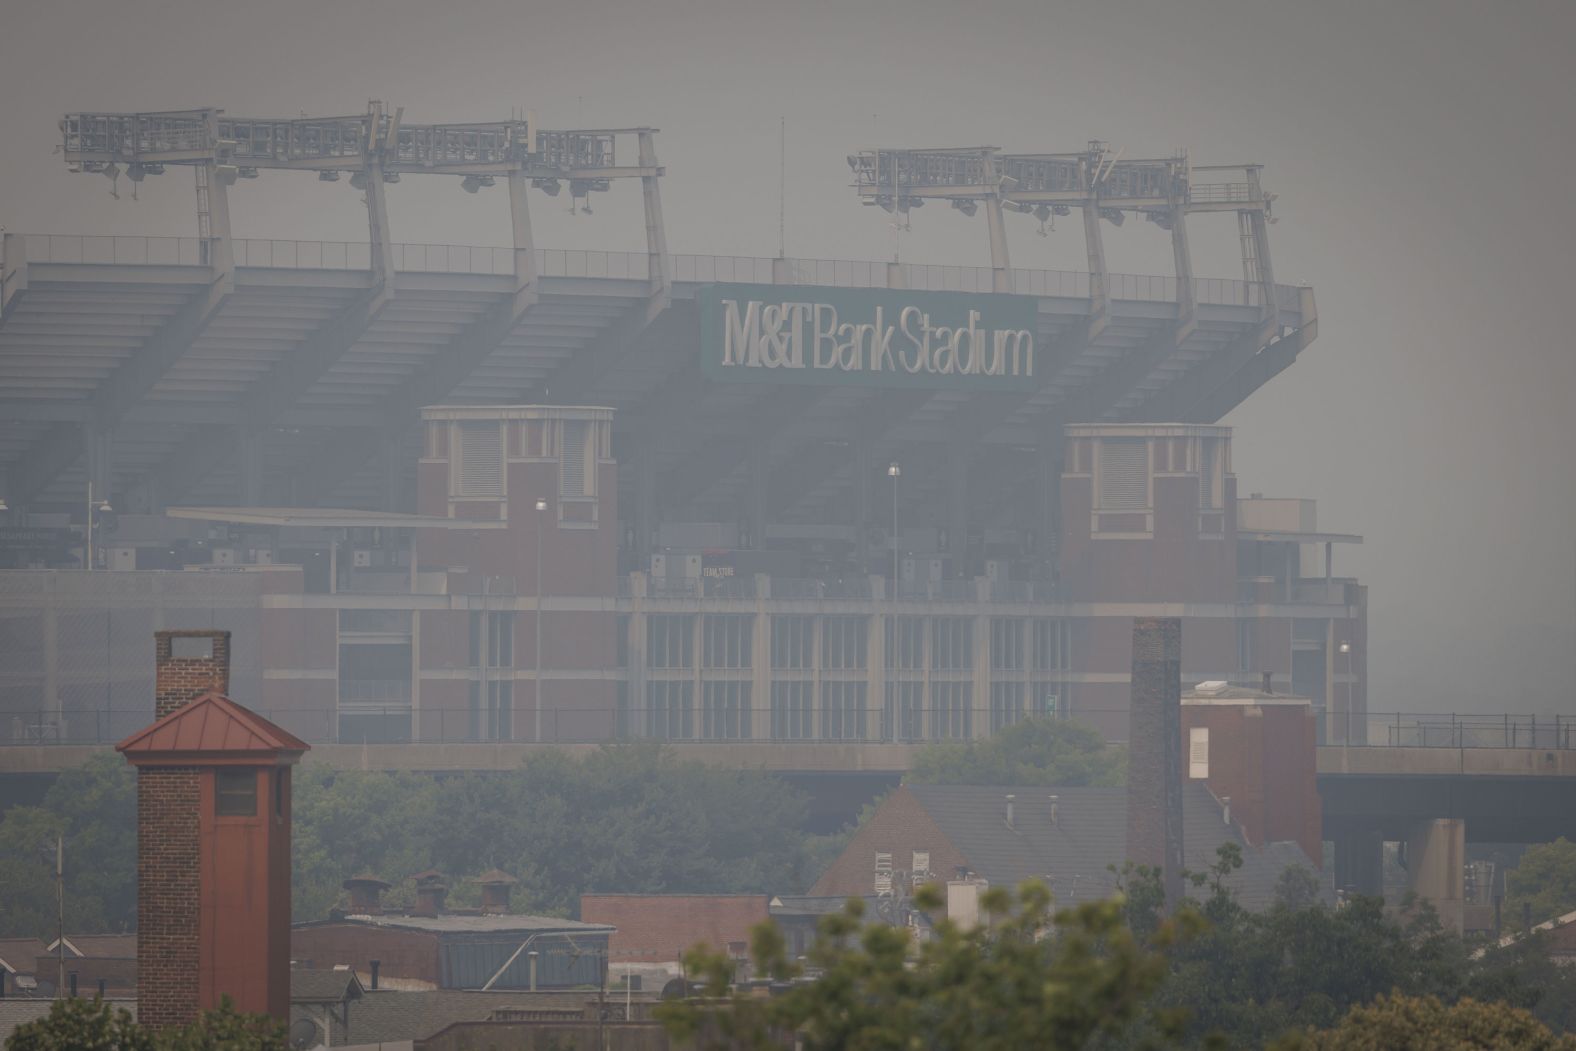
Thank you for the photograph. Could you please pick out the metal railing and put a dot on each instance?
(1453, 730)
(569, 263)
(373, 711)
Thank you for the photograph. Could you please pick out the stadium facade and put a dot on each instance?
(452, 494)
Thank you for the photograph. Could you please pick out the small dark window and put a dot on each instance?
(235, 793)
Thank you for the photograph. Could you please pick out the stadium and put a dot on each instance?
(523, 494)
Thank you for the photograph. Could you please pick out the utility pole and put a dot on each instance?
(60, 904)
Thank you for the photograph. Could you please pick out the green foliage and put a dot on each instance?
(75, 1024)
(1423, 1023)
(1030, 978)
(1031, 752)
(95, 808)
(1545, 880)
(627, 818)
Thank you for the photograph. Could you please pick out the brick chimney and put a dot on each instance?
(366, 894)
(495, 886)
(1154, 765)
(431, 890)
(188, 664)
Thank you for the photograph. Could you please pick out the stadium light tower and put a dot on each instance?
(1096, 180)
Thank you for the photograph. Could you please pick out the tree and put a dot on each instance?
(1030, 752)
(1424, 1023)
(1030, 978)
(1545, 881)
(75, 1024)
(94, 807)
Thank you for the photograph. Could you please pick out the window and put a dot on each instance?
(1006, 644)
(1006, 704)
(1206, 475)
(1050, 645)
(725, 710)
(1124, 474)
(904, 717)
(481, 460)
(670, 712)
(843, 642)
(492, 640)
(951, 710)
(574, 472)
(792, 642)
(670, 641)
(843, 710)
(728, 641)
(492, 710)
(235, 792)
(791, 714)
(951, 644)
(905, 643)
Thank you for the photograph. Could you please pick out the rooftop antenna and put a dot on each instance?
(782, 185)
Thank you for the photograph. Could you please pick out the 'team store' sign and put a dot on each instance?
(876, 336)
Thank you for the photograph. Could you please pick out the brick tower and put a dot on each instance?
(213, 841)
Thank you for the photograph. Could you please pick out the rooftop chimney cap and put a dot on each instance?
(494, 877)
(430, 877)
(366, 879)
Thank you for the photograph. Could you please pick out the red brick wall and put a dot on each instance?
(660, 927)
(168, 913)
(1264, 758)
(178, 679)
(899, 827)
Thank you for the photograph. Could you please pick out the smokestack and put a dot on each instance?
(431, 890)
(188, 664)
(375, 965)
(495, 886)
(1010, 800)
(366, 894)
(1154, 769)
(532, 958)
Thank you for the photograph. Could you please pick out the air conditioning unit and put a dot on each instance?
(692, 565)
(122, 558)
(223, 556)
(361, 558)
(262, 556)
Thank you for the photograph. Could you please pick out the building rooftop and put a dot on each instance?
(452, 924)
(114, 946)
(1088, 836)
(20, 955)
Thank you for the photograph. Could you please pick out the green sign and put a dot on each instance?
(886, 337)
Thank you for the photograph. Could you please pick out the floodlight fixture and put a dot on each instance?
(894, 470)
(548, 186)
(327, 176)
(966, 205)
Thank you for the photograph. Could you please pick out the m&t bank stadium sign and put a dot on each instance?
(884, 337)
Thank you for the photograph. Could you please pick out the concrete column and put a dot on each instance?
(981, 676)
(1184, 270)
(1436, 867)
(895, 276)
(635, 683)
(1000, 265)
(1359, 863)
(520, 228)
(876, 677)
(1154, 780)
(1099, 285)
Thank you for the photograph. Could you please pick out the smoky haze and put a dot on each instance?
(1420, 152)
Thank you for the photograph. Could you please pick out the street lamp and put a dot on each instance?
(894, 472)
(541, 505)
(94, 508)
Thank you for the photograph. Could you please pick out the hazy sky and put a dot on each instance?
(1421, 151)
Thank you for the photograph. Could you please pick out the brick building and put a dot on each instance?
(1008, 834)
(660, 928)
(213, 841)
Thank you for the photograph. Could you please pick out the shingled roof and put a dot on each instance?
(1088, 835)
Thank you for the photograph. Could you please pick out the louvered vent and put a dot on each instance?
(572, 470)
(481, 460)
(1124, 475)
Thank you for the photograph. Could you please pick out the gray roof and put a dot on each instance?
(1090, 834)
(386, 1016)
(451, 924)
(309, 985)
(20, 955)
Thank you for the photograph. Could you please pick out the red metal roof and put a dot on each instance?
(211, 727)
